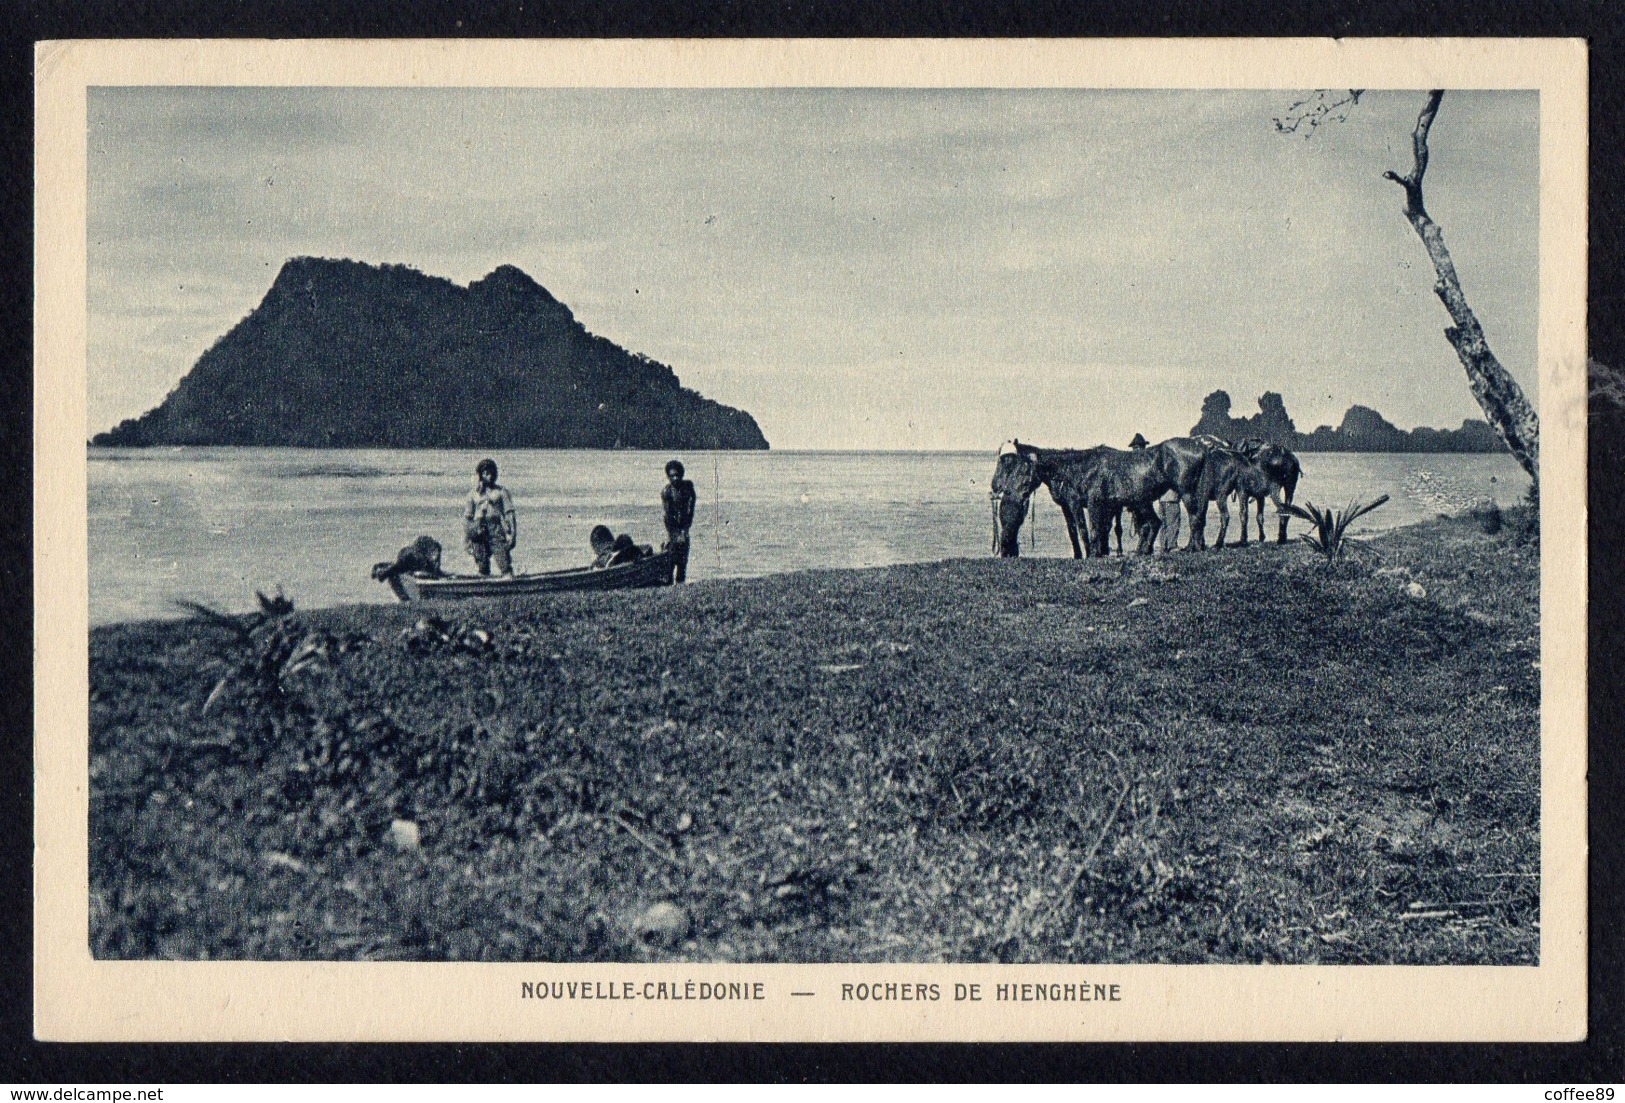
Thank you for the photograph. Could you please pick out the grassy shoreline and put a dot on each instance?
(1239, 756)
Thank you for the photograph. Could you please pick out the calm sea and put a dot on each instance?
(215, 524)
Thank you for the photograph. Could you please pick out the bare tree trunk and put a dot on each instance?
(1503, 401)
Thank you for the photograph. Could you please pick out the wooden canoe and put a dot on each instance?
(656, 570)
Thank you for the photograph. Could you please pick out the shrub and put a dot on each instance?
(1529, 530)
(1330, 530)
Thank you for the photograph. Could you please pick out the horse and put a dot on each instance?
(1013, 484)
(1110, 481)
(1015, 477)
(1093, 486)
(1183, 460)
(1228, 472)
(1283, 471)
(1253, 470)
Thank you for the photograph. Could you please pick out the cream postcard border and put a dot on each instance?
(78, 998)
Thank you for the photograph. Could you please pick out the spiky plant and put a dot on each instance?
(1330, 529)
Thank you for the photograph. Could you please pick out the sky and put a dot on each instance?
(857, 268)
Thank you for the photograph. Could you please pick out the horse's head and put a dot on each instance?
(1014, 478)
(1279, 464)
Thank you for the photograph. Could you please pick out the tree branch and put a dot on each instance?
(1419, 151)
(1504, 404)
(1323, 106)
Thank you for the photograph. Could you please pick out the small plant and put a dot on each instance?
(1330, 529)
(1488, 516)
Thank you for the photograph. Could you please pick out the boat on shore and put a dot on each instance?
(654, 570)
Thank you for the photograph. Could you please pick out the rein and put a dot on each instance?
(996, 500)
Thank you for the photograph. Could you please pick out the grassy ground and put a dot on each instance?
(1238, 756)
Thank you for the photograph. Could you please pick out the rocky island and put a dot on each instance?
(1361, 430)
(342, 354)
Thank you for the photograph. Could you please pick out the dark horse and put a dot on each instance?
(1283, 470)
(1253, 471)
(1093, 486)
(1228, 471)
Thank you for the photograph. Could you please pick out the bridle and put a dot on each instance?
(996, 502)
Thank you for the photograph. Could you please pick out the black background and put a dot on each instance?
(25, 1061)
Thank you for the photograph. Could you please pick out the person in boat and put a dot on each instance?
(489, 527)
(421, 558)
(610, 550)
(677, 499)
(603, 545)
(628, 550)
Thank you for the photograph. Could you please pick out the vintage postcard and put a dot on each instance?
(817, 540)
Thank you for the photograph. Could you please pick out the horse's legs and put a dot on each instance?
(1223, 502)
(1244, 500)
(1146, 521)
(1100, 524)
(1117, 524)
(1275, 496)
(1261, 499)
(1085, 532)
(1197, 512)
(1170, 524)
(1072, 529)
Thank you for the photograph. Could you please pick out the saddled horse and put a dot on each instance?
(1283, 470)
(1183, 460)
(1229, 472)
(1253, 471)
(1093, 486)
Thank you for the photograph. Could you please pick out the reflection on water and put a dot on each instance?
(214, 524)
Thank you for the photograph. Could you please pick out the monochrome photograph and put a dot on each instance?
(656, 526)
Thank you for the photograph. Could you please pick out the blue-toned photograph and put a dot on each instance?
(814, 525)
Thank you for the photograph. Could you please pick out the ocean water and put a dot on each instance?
(215, 524)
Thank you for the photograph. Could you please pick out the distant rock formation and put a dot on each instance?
(1362, 430)
(342, 354)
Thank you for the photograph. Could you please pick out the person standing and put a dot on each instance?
(677, 499)
(489, 526)
(1167, 505)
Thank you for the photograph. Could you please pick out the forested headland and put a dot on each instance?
(342, 354)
